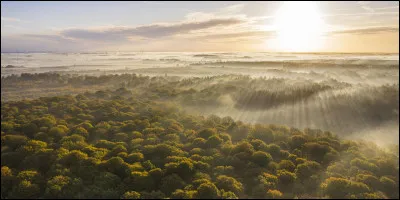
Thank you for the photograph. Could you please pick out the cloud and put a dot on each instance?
(367, 8)
(100, 37)
(109, 34)
(247, 34)
(148, 31)
(232, 9)
(9, 19)
(271, 33)
(368, 30)
(36, 43)
(387, 8)
(13, 27)
(364, 5)
(362, 14)
(53, 38)
(262, 17)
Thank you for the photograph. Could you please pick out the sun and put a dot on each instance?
(299, 27)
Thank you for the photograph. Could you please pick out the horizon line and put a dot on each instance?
(287, 52)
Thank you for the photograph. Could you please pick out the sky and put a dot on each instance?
(210, 26)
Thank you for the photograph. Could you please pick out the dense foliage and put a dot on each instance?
(111, 144)
(246, 92)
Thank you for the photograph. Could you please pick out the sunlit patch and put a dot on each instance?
(299, 27)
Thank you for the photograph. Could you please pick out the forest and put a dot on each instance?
(347, 109)
(133, 137)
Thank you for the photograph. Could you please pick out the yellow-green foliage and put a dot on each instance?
(95, 145)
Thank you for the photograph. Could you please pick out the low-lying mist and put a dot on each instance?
(343, 111)
(353, 101)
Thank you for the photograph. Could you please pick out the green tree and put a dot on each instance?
(335, 187)
(229, 184)
(287, 165)
(13, 141)
(7, 180)
(131, 195)
(26, 190)
(263, 133)
(286, 178)
(213, 141)
(261, 158)
(171, 183)
(206, 133)
(184, 194)
(135, 157)
(274, 194)
(208, 191)
(228, 195)
(389, 187)
(62, 187)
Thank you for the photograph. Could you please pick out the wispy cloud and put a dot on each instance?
(361, 14)
(272, 33)
(13, 20)
(100, 37)
(13, 27)
(365, 5)
(367, 30)
(232, 9)
(124, 34)
(10, 19)
(261, 18)
(246, 34)
(148, 31)
(49, 37)
(387, 8)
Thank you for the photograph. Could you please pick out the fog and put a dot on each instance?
(352, 95)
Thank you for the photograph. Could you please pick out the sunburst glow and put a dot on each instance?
(299, 26)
